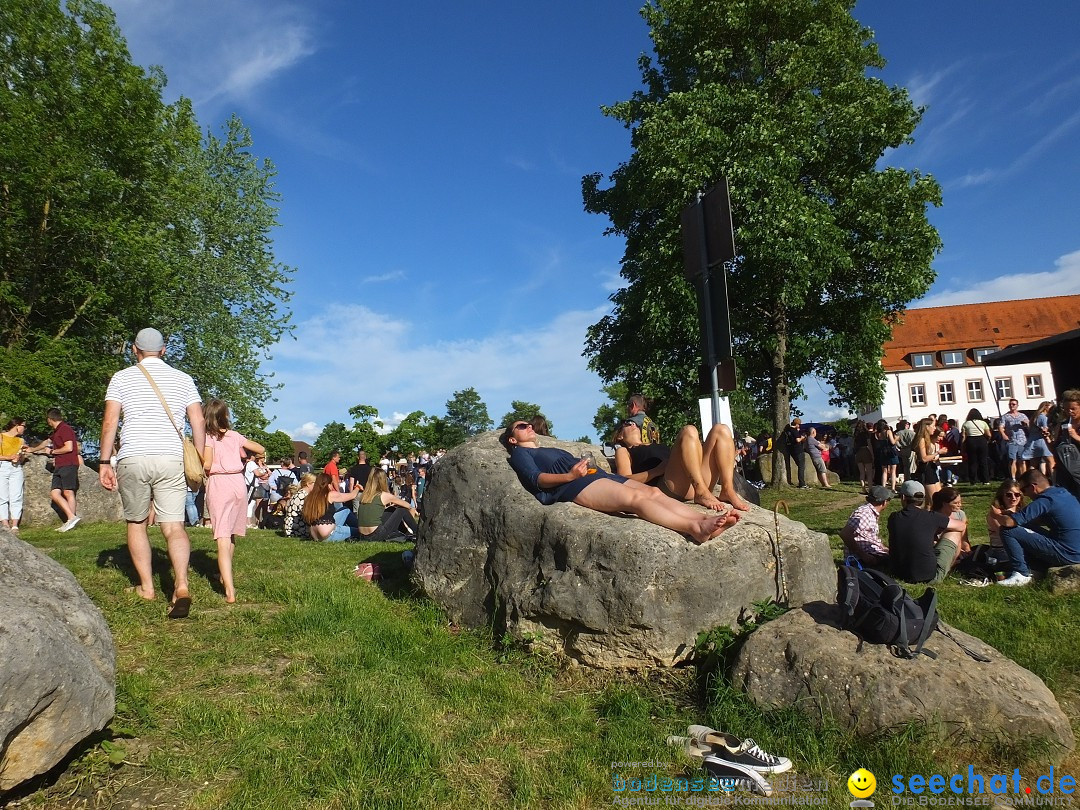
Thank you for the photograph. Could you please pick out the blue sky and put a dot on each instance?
(429, 157)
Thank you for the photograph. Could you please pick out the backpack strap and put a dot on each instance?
(970, 652)
(929, 623)
(847, 589)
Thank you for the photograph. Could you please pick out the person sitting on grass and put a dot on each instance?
(686, 471)
(1055, 512)
(382, 516)
(553, 475)
(325, 512)
(915, 554)
(952, 546)
(861, 533)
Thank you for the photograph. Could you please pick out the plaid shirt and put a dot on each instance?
(866, 540)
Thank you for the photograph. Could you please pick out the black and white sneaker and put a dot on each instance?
(730, 748)
(732, 777)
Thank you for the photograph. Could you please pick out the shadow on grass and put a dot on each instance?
(200, 564)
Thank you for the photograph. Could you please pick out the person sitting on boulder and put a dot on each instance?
(861, 534)
(913, 534)
(686, 471)
(555, 476)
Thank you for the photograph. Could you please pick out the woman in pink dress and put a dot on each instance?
(226, 493)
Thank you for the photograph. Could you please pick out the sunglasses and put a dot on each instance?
(521, 426)
(1011, 495)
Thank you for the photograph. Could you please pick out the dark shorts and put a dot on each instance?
(66, 478)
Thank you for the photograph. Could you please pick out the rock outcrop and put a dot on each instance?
(804, 659)
(608, 591)
(57, 663)
(95, 503)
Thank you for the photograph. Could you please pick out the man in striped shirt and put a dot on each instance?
(150, 461)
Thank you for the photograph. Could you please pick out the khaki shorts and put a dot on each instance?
(161, 478)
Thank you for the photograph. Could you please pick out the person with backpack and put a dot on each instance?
(635, 412)
(913, 536)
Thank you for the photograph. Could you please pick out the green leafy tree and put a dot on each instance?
(334, 436)
(278, 445)
(779, 97)
(526, 411)
(366, 433)
(116, 213)
(413, 434)
(466, 415)
(611, 412)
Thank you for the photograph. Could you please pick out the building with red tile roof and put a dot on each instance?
(933, 363)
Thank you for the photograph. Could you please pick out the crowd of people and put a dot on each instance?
(1037, 455)
(1034, 517)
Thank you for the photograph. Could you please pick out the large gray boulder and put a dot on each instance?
(608, 591)
(95, 503)
(804, 659)
(57, 663)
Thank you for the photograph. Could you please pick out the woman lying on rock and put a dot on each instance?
(686, 471)
(555, 476)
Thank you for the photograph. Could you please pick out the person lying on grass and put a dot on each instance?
(686, 471)
(555, 476)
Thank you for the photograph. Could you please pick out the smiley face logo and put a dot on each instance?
(862, 784)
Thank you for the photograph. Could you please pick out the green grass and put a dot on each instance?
(318, 690)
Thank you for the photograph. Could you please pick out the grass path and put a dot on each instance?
(318, 690)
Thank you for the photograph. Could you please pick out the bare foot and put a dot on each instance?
(230, 598)
(735, 499)
(708, 500)
(138, 591)
(712, 526)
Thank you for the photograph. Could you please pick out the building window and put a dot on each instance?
(981, 353)
(1003, 387)
(917, 393)
(1033, 383)
(923, 360)
(953, 358)
(975, 390)
(945, 393)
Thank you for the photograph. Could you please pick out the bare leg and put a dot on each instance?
(694, 470)
(138, 544)
(65, 499)
(179, 553)
(606, 495)
(226, 548)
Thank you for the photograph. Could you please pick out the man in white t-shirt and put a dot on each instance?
(150, 461)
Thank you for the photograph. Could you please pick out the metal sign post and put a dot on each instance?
(708, 242)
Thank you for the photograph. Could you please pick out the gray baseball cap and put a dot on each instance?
(913, 490)
(149, 340)
(879, 494)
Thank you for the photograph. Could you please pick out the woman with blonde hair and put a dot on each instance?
(325, 512)
(226, 493)
(380, 515)
(927, 459)
(294, 524)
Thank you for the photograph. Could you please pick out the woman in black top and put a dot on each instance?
(688, 470)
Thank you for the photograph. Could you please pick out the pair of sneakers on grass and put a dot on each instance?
(735, 763)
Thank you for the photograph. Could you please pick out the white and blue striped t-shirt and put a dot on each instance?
(146, 430)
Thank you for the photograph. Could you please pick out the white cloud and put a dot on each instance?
(1064, 280)
(351, 354)
(393, 275)
(213, 51)
(308, 430)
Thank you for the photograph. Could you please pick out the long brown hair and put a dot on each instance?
(925, 436)
(316, 501)
(216, 413)
(376, 485)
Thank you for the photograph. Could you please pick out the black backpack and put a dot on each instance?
(284, 481)
(878, 610)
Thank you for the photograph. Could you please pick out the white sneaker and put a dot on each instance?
(69, 525)
(1016, 580)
